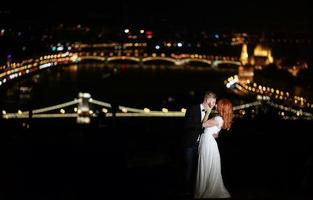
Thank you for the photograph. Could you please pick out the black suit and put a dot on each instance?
(193, 128)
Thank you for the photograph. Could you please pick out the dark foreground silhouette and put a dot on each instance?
(142, 158)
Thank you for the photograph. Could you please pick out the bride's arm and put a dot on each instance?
(209, 122)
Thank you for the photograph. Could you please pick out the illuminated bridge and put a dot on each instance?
(290, 107)
(213, 61)
(80, 109)
(16, 70)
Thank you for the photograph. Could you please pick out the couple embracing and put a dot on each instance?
(203, 175)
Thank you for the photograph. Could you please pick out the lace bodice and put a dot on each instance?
(214, 129)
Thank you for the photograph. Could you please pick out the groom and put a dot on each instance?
(193, 129)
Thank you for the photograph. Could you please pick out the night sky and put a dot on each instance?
(265, 14)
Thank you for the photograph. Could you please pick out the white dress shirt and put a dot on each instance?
(202, 112)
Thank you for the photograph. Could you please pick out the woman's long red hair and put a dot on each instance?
(225, 109)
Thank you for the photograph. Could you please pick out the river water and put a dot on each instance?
(262, 158)
(129, 85)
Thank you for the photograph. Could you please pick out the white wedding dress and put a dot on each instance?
(209, 183)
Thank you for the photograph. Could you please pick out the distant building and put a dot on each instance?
(262, 55)
(244, 57)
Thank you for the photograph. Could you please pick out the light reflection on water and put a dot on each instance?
(136, 86)
(133, 85)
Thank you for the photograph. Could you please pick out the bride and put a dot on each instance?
(209, 182)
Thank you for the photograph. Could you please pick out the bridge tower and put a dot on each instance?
(83, 111)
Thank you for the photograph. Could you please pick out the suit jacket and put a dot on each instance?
(193, 126)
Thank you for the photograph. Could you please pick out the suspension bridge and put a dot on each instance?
(80, 109)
